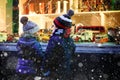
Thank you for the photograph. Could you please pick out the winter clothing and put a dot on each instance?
(31, 28)
(29, 51)
(59, 53)
(64, 21)
(60, 47)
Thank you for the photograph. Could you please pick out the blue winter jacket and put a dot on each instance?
(59, 52)
(29, 52)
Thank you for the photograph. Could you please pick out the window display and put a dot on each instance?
(95, 16)
(114, 35)
(95, 23)
(95, 31)
(44, 35)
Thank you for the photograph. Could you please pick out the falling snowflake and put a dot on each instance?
(80, 64)
(11, 63)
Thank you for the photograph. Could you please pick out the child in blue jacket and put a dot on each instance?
(60, 48)
(30, 55)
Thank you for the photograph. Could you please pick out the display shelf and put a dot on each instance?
(96, 18)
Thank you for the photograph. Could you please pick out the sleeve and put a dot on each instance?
(18, 46)
(74, 46)
(54, 53)
(38, 49)
(53, 43)
(50, 46)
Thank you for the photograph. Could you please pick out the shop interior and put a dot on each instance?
(95, 21)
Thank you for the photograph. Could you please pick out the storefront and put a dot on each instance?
(96, 32)
(88, 13)
(90, 26)
(91, 16)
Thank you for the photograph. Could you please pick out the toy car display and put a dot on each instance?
(86, 35)
(101, 38)
(114, 35)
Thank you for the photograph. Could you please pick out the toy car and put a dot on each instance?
(101, 38)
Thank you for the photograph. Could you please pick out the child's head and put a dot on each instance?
(24, 20)
(30, 28)
(64, 21)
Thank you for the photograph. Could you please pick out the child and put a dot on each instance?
(60, 47)
(30, 53)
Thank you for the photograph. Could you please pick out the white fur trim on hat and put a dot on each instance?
(65, 19)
